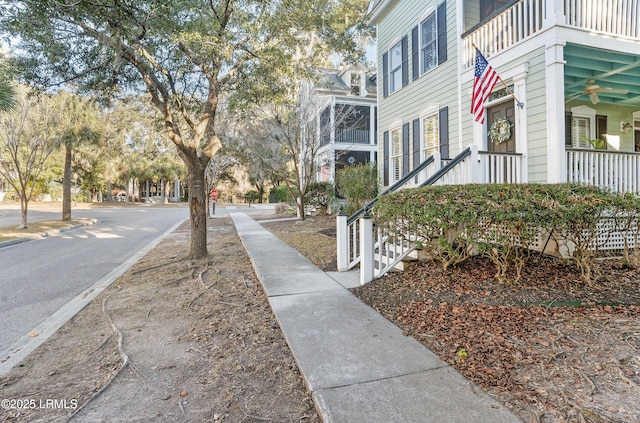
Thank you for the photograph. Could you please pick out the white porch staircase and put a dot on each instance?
(361, 241)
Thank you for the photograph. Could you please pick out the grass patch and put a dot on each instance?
(35, 229)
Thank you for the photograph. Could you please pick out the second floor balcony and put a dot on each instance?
(355, 136)
(493, 31)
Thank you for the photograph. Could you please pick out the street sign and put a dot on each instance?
(214, 194)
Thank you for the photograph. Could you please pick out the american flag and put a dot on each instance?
(485, 80)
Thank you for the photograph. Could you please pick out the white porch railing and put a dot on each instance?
(610, 170)
(620, 18)
(616, 17)
(349, 230)
(515, 24)
(500, 168)
(359, 241)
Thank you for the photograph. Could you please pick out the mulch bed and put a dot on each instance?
(551, 347)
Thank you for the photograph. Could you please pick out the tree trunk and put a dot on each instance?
(66, 184)
(165, 189)
(24, 204)
(300, 204)
(260, 188)
(197, 209)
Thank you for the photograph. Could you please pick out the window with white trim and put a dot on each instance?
(396, 154)
(583, 126)
(430, 135)
(355, 83)
(395, 67)
(580, 132)
(428, 43)
(429, 40)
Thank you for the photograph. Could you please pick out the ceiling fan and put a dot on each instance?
(592, 89)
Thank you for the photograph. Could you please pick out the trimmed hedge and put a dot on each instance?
(504, 221)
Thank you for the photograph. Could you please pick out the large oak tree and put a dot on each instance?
(188, 55)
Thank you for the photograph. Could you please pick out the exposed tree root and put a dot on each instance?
(123, 355)
(157, 266)
(100, 346)
(200, 277)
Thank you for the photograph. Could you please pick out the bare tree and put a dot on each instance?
(26, 141)
(218, 166)
(297, 132)
(216, 170)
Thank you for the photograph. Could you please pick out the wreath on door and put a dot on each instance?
(500, 131)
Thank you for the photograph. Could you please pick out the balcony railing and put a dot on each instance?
(515, 24)
(356, 136)
(617, 17)
(526, 18)
(611, 170)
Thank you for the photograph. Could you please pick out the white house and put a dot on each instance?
(344, 113)
(574, 65)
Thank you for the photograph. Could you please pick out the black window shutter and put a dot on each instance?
(601, 127)
(385, 155)
(416, 143)
(405, 60)
(568, 117)
(415, 53)
(442, 32)
(405, 149)
(385, 74)
(443, 124)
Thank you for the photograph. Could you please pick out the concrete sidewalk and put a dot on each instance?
(358, 366)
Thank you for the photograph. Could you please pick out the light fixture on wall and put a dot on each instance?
(625, 127)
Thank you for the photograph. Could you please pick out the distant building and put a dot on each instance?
(345, 118)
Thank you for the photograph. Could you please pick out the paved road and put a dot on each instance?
(38, 277)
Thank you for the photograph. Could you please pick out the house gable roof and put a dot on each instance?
(376, 8)
(330, 81)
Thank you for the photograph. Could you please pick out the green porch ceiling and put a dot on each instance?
(613, 76)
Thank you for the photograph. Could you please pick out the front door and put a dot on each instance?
(506, 109)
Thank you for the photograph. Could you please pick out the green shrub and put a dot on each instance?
(358, 184)
(503, 222)
(281, 194)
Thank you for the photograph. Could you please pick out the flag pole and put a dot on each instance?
(518, 102)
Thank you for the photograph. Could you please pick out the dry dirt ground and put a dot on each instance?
(171, 340)
(551, 348)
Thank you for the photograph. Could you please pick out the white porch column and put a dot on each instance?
(332, 141)
(332, 122)
(176, 189)
(554, 12)
(522, 126)
(372, 125)
(476, 166)
(556, 161)
(366, 249)
(342, 240)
